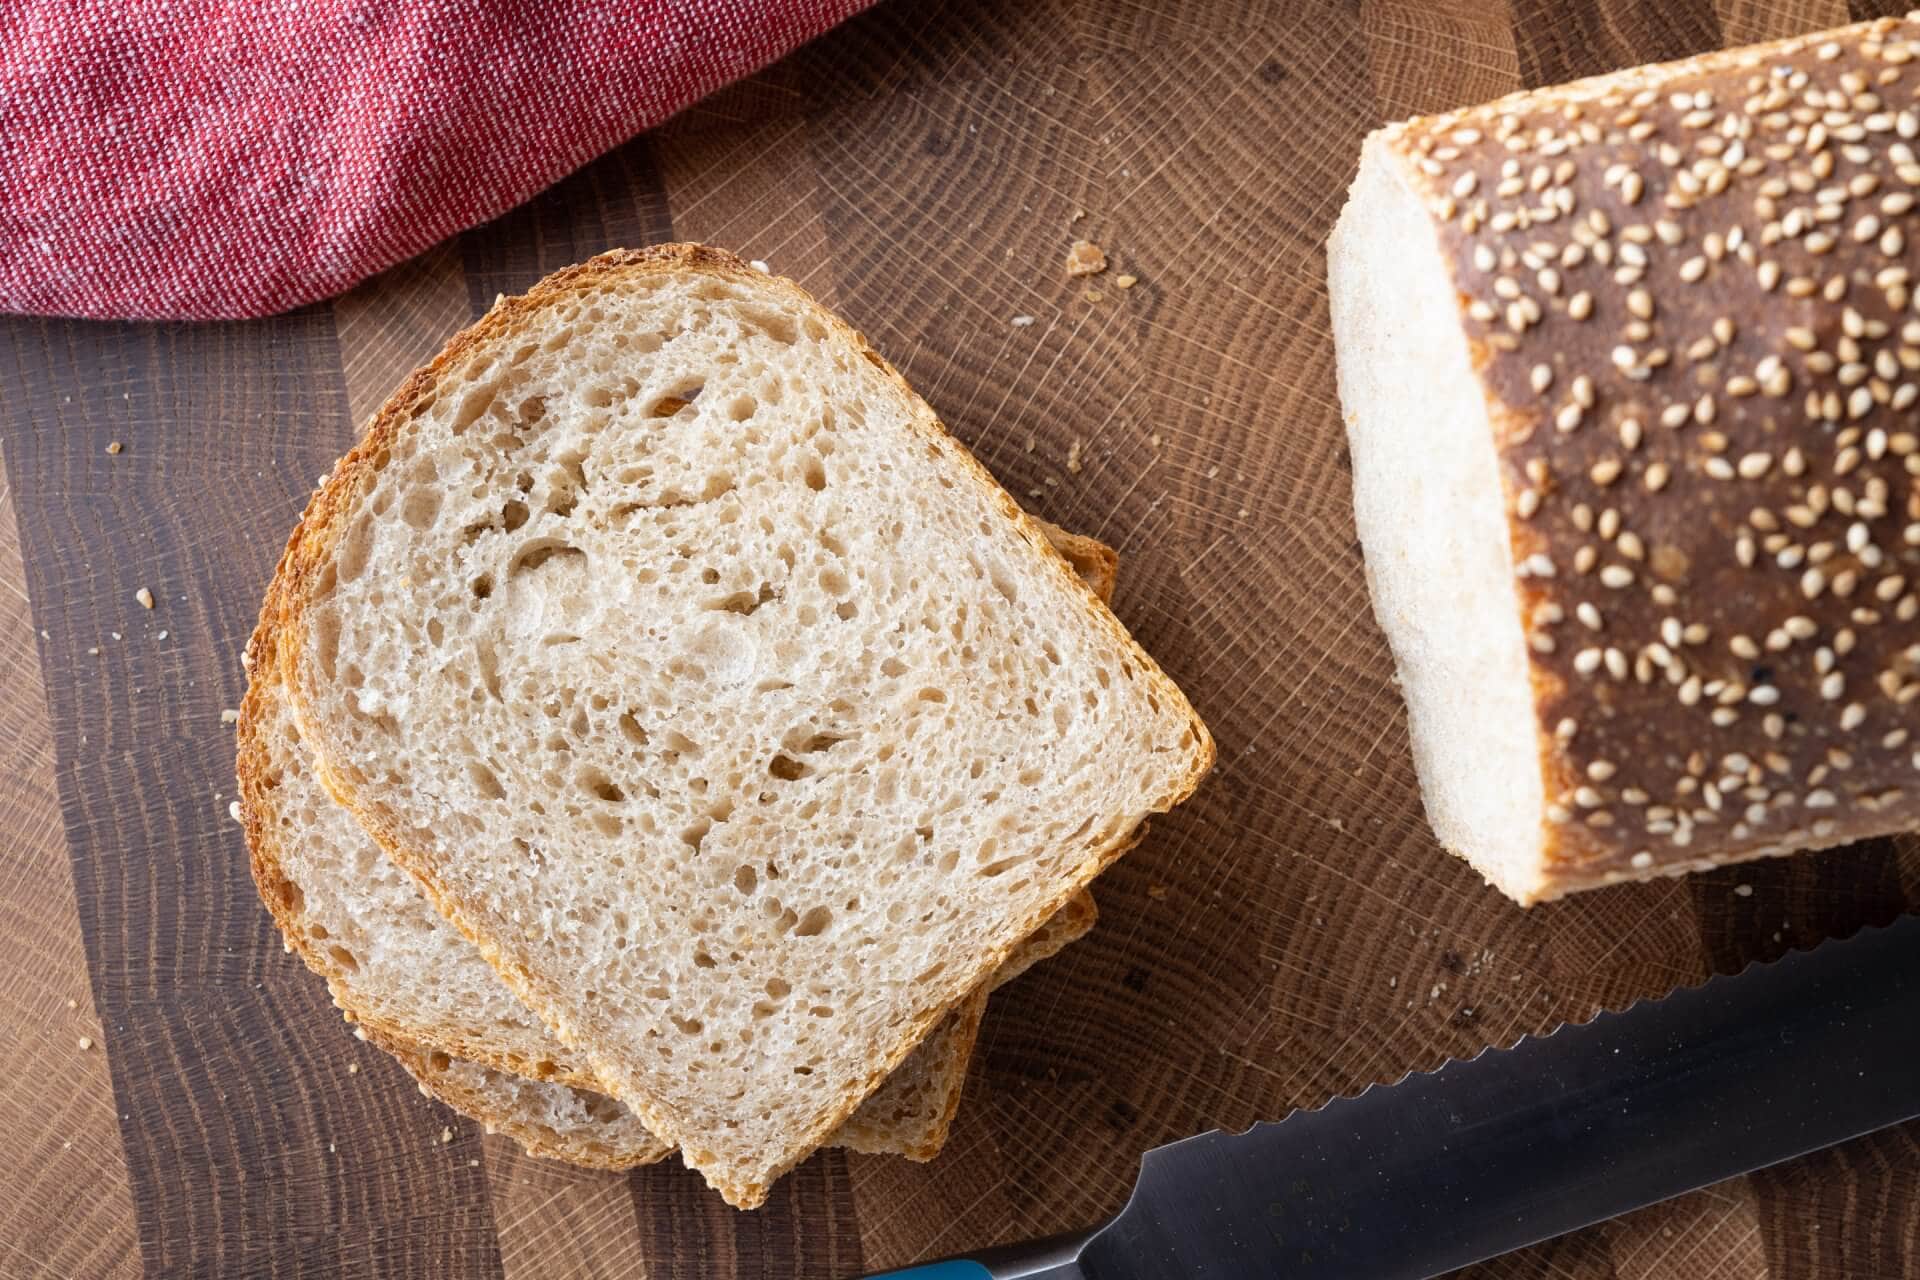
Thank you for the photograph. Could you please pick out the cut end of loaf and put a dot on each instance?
(1432, 520)
(1699, 389)
(743, 719)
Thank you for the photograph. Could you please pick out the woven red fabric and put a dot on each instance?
(201, 159)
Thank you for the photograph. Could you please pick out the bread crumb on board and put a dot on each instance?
(1094, 295)
(233, 811)
(1073, 456)
(353, 1068)
(446, 1135)
(1743, 891)
(1022, 322)
(115, 446)
(1086, 258)
(1125, 281)
(1158, 892)
(229, 716)
(86, 1042)
(72, 1003)
(145, 597)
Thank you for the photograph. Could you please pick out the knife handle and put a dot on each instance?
(1054, 1258)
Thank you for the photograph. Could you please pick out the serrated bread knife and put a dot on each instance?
(1486, 1155)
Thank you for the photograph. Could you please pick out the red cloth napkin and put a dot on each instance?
(202, 159)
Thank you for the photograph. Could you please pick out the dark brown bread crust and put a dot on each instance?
(1688, 290)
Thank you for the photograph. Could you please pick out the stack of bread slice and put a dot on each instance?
(661, 734)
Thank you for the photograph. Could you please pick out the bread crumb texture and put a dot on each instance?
(742, 718)
(1086, 258)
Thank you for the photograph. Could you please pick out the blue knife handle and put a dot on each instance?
(957, 1269)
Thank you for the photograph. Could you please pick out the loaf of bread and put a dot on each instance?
(422, 991)
(1629, 374)
(659, 630)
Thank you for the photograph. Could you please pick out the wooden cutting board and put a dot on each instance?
(179, 1097)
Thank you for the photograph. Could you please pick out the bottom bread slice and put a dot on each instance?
(401, 971)
(909, 1115)
(548, 1119)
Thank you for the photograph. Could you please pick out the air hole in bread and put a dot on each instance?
(541, 550)
(846, 611)
(483, 586)
(421, 507)
(814, 472)
(687, 1026)
(758, 320)
(351, 558)
(674, 401)
(631, 730)
(993, 869)
(485, 780)
(787, 769)
(595, 782)
(934, 695)
(344, 958)
(326, 641)
(740, 408)
(695, 832)
(436, 632)
(744, 602)
(489, 663)
(892, 668)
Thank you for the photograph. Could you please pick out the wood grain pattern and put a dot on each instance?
(46, 1005)
(1290, 935)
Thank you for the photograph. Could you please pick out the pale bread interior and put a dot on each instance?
(719, 694)
(1431, 514)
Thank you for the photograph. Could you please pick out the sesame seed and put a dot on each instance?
(1541, 377)
(1616, 576)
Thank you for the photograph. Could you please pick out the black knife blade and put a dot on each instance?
(1485, 1155)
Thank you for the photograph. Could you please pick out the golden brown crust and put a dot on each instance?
(430, 1071)
(1687, 291)
(304, 564)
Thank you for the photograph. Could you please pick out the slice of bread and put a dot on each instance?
(581, 1127)
(912, 1113)
(661, 632)
(548, 1119)
(417, 986)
